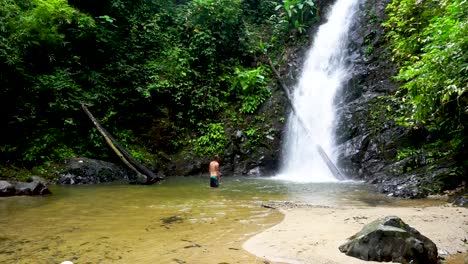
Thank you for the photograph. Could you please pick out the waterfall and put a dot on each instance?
(325, 70)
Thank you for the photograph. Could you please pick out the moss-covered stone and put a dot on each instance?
(391, 239)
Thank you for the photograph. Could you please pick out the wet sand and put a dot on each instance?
(312, 234)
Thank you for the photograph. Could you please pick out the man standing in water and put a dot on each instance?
(215, 174)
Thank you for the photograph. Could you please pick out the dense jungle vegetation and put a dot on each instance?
(169, 76)
(160, 75)
(429, 41)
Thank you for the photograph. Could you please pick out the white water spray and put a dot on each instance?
(325, 70)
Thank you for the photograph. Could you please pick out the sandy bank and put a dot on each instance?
(313, 234)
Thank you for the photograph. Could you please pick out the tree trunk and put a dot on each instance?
(143, 169)
(145, 176)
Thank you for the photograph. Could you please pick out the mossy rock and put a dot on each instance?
(391, 239)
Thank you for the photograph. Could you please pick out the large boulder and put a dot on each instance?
(6, 189)
(187, 164)
(90, 171)
(390, 239)
(34, 186)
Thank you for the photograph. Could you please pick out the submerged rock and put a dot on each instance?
(405, 187)
(460, 200)
(390, 239)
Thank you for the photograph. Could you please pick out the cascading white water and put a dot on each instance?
(325, 70)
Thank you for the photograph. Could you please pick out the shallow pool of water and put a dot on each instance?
(181, 220)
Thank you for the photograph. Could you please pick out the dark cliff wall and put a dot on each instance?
(368, 137)
(360, 138)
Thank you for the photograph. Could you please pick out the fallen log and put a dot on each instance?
(288, 97)
(144, 176)
(280, 81)
(334, 170)
(143, 169)
(330, 164)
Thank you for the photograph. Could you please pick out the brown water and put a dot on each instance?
(181, 220)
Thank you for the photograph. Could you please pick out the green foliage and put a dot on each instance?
(407, 152)
(429, 42)
(15, 173)
(127, 139)
(251, 88)
(215, 27)
(135, 63)
(298, 13)
(60, 90)
(194, 94)
(213, 141)
(43, 23)
(218, 14)
(45, 148)
(254, 136)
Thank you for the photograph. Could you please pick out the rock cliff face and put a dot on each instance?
(367, 135)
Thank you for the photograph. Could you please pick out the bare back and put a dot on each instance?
(214, 169)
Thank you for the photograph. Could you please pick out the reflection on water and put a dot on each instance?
(181, 220)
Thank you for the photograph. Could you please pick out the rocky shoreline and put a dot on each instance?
(88, 171)
(34, 186)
